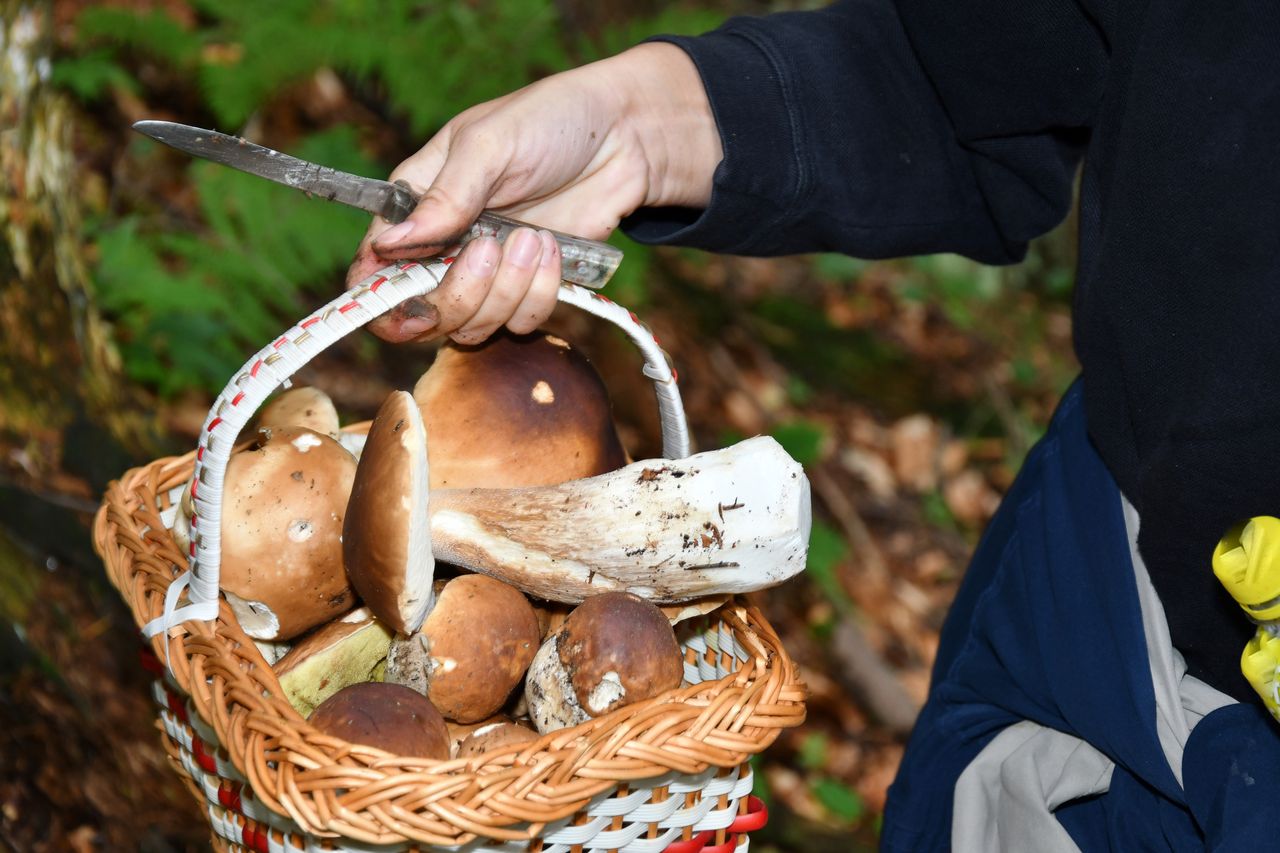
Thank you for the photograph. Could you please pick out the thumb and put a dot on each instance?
(460, 191)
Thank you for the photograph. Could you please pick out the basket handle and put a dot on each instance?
(277, 362)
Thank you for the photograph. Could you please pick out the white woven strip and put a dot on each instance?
(276, 363)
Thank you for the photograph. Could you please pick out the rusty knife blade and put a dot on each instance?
(586, 262)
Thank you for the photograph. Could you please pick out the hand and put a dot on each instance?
(575, 152)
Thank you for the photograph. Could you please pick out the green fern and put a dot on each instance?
(191, 306)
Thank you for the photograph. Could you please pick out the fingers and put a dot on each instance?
(488, 286)
(540, 299)
(450, 204)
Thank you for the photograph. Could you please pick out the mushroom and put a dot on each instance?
(386, 538)
(494, 736)
(304, 407)
(669, 530)
(346, 651)
(613, 650)
(387, 717)
(517, 410)
(458, 732)
(472, 650)
(284, 499)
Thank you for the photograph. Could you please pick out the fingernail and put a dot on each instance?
(415, 326)
(550, 249)
(523, 247)
(394, 234)
(482, 256)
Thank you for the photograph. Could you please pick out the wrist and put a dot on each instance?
(666, 111)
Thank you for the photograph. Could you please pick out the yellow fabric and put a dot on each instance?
(1258, 663)
(1247, 562)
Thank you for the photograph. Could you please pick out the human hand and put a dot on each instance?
(575, 152)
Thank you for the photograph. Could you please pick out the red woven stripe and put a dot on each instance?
(203, 758)
(200, 453)
(246, 835)
(281, 342)
(307, 324)
(176, 706)
(213, 423)
(257, 365)
(378, 282)
(675, 375)
(149, 661)
(350, 305)
(447, 261)
(235, 401)
(755, 817)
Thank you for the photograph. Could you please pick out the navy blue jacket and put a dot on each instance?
(885, 128)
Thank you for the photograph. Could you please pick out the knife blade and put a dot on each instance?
(585, 262)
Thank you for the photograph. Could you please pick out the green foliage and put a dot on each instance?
(838, 798)
(191, 307)
(674, 20)
(827, 549)
(429, 59)
(802, 439)
(628, 285)
(813, 751)
(92, 75)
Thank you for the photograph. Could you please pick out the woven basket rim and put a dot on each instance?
(332, 788)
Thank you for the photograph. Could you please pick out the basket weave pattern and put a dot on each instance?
(664, 774)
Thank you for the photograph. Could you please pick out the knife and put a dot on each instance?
(585, 262)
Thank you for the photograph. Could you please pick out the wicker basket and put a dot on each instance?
(667, 774)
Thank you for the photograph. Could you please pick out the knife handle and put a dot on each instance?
(589, 263)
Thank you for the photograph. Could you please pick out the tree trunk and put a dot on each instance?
(57, 359)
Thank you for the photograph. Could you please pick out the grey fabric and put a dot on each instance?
(1004, 800)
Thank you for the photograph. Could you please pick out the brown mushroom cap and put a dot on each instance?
(304, 407)
(386, 540)
(387, 717)
(479, 640)
(283, 505)
(488, 738)
(617, 649)
(517, 410)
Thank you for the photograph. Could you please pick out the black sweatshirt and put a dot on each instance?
(880, 128)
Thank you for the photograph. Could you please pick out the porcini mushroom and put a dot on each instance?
(304, 407)
(385, 716)
(283, 505)
(472, 650)
(516, 410)
(613, 650)
(495, 736)
(669, 530)
(346, 651)
(386, 537)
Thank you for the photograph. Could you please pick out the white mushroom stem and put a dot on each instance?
(725, 521)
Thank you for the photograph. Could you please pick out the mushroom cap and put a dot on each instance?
(304, 407)
(283, 504)
(480, 637)
(617, 649)
(488, 738)
(517, 410)
(386, 540)
(458, 732)
(346, 651)
(384, 716)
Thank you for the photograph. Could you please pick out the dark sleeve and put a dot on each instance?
(881, 129)
(1231, 775)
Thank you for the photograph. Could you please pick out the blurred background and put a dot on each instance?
(134, 281)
